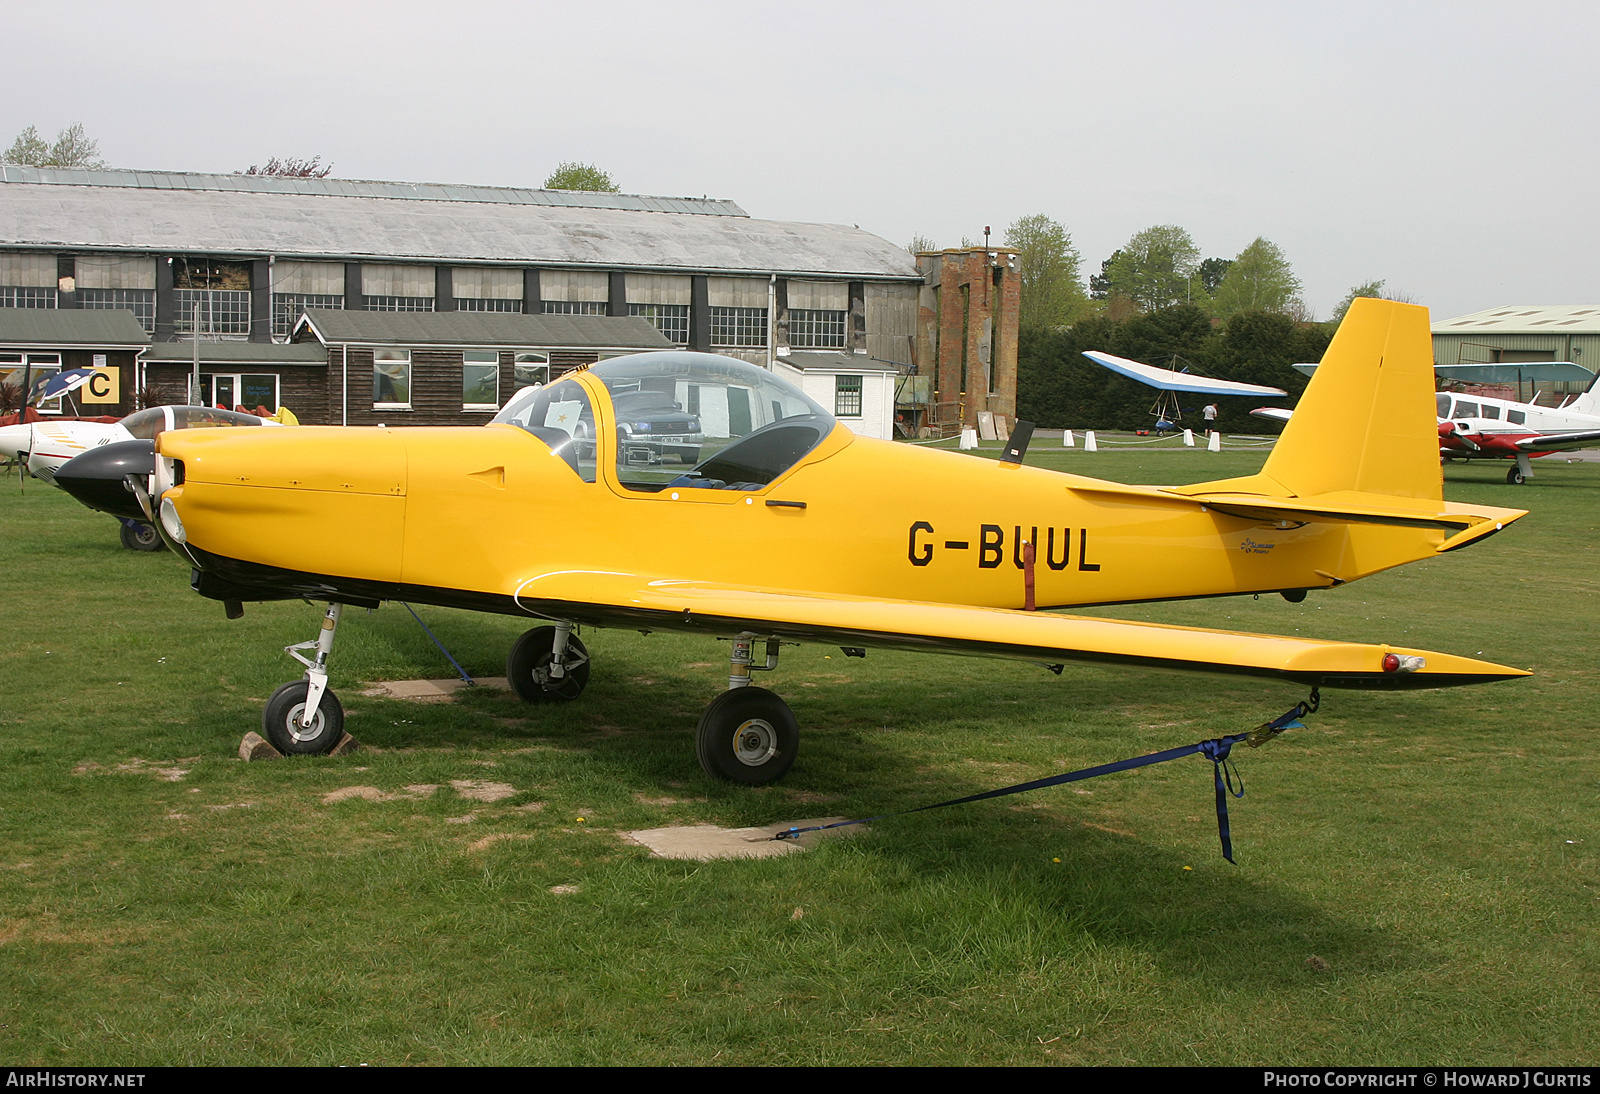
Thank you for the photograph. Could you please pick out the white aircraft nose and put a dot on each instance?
(14, 439)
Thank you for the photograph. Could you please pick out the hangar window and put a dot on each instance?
(487, 303)
(738, 326)
(847, 396)
(288, 306)
(574, 307)
(141, 302)
(214, 293)
(480, 380)
(811, 329)
(27, 298)
(391, 379)
(672, 320)
(397, 303)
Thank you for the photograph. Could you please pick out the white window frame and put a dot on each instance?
(391, 357)
(238, 386)
(37, 365)
(486, 357)
(859, 390)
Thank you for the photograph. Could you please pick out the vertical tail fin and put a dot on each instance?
(1366, 421)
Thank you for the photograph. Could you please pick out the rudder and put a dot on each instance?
(1366, 421)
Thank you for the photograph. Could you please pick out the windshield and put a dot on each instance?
(145, 424)
(559, 415)
(698, 420)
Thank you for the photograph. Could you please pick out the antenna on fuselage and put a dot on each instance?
(1017, 446)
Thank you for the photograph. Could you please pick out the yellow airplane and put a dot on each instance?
(724, 502)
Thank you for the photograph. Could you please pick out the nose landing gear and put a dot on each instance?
(303, 717)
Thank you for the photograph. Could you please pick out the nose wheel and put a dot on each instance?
(286, 711)
(303, 717)
(548, 665)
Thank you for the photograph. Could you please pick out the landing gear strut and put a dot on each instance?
(1522, 472)
(747, 735)
(303, 717)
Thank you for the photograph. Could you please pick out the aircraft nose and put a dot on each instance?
(98, 477)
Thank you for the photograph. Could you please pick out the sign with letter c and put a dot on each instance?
(105, 386)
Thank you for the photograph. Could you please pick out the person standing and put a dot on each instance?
(1210, 413)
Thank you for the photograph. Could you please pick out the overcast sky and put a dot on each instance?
(1446, 147)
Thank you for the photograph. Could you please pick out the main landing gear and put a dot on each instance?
(1522, 472)
(303, 717)
(747, 735)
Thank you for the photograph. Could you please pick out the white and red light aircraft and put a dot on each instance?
(1477, 427)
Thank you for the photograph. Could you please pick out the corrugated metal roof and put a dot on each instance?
(70, 327)
(463, 328)
(348, 225)
(240, 353)
(368, 188)
(1526, 319)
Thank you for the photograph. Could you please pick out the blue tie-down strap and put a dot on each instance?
(1224, 775)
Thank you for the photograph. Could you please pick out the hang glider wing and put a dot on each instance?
(1560, 442)
(1167, 380)
(620, 599)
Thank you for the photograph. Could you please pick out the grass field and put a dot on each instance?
(1416, 879)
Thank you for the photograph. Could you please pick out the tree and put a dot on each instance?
(580, 176)
(919, 244)
(1374, 289)
(1052, 294)
(293, 168)
(1260, 279)
(1156, 268)
(1211, 273)
(1100, 283)
(71, 149)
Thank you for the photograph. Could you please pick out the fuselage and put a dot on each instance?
(1474, 427)
(474, 516)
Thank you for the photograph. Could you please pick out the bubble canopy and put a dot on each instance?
(683, 419)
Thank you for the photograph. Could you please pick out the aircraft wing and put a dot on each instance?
(1272, 413)
(1560, 442)
(1511, 373)
(632, 600)
(1167, 380)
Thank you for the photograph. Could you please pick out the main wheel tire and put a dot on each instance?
(1515, 476)
(747, 735)
(142, 537)
(528, 667)
(281, 720)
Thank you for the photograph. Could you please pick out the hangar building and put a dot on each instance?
(1517, 332)
(316, 292)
